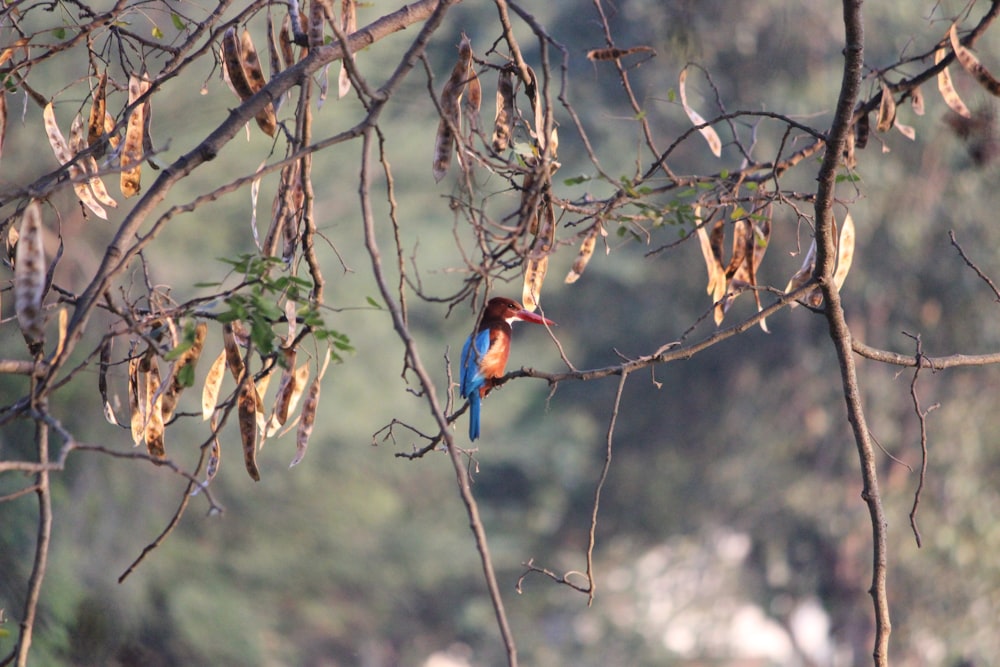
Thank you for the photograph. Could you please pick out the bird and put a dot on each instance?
(484, 355)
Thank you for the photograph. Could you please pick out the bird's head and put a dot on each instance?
(501, 308)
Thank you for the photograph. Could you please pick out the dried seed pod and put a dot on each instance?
(971, 63)
(709, 133)
(136, 400)
(78, 144)
(318, 9)
(102, 380)
(286, 41)
(131, 153)
(98, 110)
(214, 455)
(266, 120)
(886, 111)
(154, 412)
(233, 357)
(306, 422)
(213, 383)
(845, 251)
(861, 131)
(29, 277)
(503, 124)
(451, 120)
(947, 88)
(182, 371)
(615, 53)
(232, 61)
(586, 252)
(308, 417)
(288, 398)
(64, 155)
(246, 408)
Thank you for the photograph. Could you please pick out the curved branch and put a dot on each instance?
(840, 333)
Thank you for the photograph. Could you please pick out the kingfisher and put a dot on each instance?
(484, 355)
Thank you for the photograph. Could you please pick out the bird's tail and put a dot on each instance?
(475, 401)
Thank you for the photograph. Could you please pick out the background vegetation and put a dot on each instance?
(731, 529)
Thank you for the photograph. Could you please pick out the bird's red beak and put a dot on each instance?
(529, 316)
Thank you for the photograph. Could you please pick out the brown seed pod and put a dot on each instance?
(98, 109)
(154, 412)
(29, 277)
(188, 359)
(451, 120)
(503, 124)
(136, 400)
(971, 63)
(131, 153)
(586, 252)
(233, 357)
(246, 408)
(886, 111)
(614, 53)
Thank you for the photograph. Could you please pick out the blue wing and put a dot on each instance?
(472, 378)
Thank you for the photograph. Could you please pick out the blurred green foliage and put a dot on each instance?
(734, 471)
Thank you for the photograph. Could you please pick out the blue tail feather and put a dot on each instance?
(474, 403)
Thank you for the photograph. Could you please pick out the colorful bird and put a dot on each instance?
(484, 355)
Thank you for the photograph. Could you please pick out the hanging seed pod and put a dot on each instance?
(451, 98)
(246, 408)
(182, 372)
(213, 383)
(886, 111)
(503, 124)
(214, 454)
(586, 252)
(98, 110)
(266, 120)
(78, 144)
(102, 380)
(709, 133)
(29, 277)
(136, 400)
(131, 153)
(233, 357)
(64, 155)
(947, 88)
(318, 9)
(154, 412)
(968, 60)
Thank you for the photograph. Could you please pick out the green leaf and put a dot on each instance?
(181, 348)
(157, 33)
(185, 375)
(59, 33)
(576, 180)
(177, 21)
(372, 302)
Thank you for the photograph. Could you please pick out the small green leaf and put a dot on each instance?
(185, 375)
(738, 213)
(59, 33)
(576, 180)
(157, 33)
(177, 21)
(372, 302)
(751, 186)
